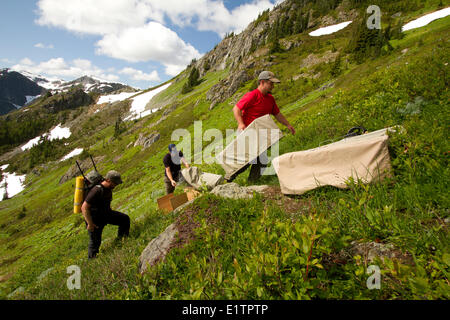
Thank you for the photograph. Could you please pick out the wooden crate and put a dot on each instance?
(171, 202)
(191, 193)
(164, 203)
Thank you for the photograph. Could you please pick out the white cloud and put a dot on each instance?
(136, 30)
(102, 17)
(219, 19)
(98, 17)
(138, 75)
(173, 70)
(26, 62)
(60, 68)
(43, 46)
(150, 42)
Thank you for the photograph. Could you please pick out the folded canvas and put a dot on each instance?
(364, 157)
(198, 179)
(259, 136)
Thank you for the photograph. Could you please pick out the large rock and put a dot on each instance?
(371, 250)
(157, 248)
(235, 191)
(368, 252)
(147, 141)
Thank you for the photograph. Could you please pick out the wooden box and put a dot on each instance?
(191, 193)
(171, 202)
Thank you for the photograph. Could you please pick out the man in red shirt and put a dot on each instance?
(255, 104)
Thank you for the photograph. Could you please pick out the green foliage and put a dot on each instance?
(119, 127)
(192, 81)
(14, 132)
(336, 68)
(368, 43)
(293, 23)
(275, 47)
(262, 17)
(322, 7)
(44, 151)
(258, 249)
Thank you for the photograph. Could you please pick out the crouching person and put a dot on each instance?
(97, 212)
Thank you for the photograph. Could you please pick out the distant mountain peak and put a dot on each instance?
(19, 88)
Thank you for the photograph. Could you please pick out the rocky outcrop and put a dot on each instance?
(68, 100)
(235, 191)
(238, 53)
(226, 88)
(157, 248)
(147, 141)
(368, 251)
(14, 88)
(313, 59)
(371, 250)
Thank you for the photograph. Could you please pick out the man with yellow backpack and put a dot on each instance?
(97, 212)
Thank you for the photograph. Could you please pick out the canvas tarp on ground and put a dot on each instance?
(364, 157)
(259, 136)
(197, 179)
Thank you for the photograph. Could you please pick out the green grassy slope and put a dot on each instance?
(257, 249)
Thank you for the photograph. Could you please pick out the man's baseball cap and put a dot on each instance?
(114, 176)
(172, 146)
(267, 75)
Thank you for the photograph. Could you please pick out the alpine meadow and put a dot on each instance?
(383, 240)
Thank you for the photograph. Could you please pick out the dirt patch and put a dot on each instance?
(290, 204)
(6, 277)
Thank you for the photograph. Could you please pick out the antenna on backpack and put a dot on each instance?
(79, 168)
(93, 163)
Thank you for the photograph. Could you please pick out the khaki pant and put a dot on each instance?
(169, 188)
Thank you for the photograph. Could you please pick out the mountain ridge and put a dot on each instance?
(24, 84)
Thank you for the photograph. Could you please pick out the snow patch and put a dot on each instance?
(74, 153)
(60, 133)
(30, 144)
(57, 133)
(330, 29)
(14, 184)
(116, 97)
(31, 98)
(423, 21)
(137, 109)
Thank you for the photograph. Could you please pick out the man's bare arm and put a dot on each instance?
(86, 209)
(238, 116)
(169, 175)
(282, 119)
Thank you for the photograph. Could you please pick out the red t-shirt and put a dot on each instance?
(254, 105)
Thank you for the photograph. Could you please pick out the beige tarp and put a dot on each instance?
(259, 136)
(364, 157)
(198, 179)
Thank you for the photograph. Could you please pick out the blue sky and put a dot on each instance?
(138, 42)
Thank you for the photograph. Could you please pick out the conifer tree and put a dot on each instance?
(192, 81)
(336, 68)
